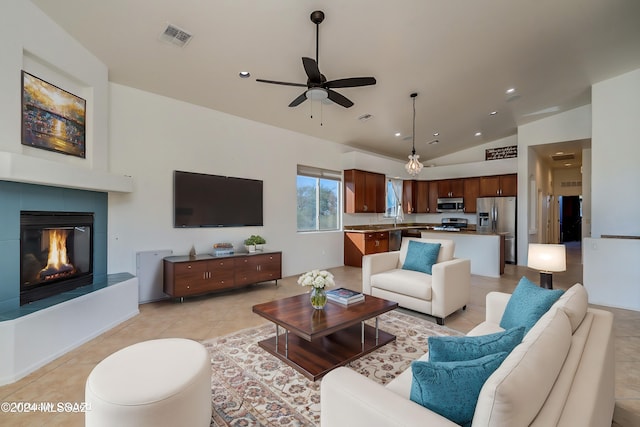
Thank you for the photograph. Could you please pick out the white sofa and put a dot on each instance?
(561, 374)
(446, 290)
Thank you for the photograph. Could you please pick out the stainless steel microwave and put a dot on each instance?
(451, 204)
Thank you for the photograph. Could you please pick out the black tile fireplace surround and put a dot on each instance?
(56, 253)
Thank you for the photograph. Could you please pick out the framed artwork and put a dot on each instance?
(52, 119)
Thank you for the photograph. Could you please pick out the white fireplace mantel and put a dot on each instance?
(20, 168)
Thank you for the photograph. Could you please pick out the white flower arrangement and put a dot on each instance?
(317, 279)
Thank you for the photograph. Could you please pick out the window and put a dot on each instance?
(318, 199)
(394, 198)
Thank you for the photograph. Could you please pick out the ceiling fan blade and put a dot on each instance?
(312, 70)
(351, 82)
(299, 100)
(339, 99)
(273, 82)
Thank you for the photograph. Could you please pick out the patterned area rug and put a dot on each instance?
(253, 388)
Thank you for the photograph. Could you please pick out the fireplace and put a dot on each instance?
(56, 253)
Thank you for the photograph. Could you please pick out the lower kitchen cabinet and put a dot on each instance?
(184, 276)
(358, 244)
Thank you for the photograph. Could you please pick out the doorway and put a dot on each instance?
(570, 218)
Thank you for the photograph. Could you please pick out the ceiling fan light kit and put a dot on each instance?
(414, 167)
(316, 93)
(318, 88)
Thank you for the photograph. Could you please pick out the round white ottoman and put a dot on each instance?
(165, 382)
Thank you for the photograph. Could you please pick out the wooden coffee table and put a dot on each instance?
(316, 341)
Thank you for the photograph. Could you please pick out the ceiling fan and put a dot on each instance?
(318, 87)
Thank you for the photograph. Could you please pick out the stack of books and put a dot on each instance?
(220, 249)
(344, 296)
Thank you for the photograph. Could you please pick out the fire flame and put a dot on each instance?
(57, 249)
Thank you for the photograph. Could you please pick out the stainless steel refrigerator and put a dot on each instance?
(498, 215)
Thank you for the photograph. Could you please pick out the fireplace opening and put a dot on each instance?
(56, 253)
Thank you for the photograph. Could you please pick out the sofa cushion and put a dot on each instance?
(450, 349)
(406, 282)
(574, 302)
(447, 248)
(421, 256)
(451, 388)
(527, 304)
(515, 392)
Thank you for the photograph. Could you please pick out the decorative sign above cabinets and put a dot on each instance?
(501, 153)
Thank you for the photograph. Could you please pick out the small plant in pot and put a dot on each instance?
(259, 242)
(254, 242)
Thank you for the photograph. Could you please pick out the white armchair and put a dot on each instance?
(446, 290)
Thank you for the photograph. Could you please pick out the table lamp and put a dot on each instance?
(547, 258)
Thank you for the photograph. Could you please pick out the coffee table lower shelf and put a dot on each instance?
(314, 359)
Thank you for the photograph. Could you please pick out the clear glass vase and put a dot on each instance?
(318, 298)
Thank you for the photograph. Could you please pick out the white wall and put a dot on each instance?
(151, 136)
(612, 271)
(616, 155)
(473, 154)
(30, 41)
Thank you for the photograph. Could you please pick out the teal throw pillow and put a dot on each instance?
(527, 304)
(451, 349)
(451, 389)
(421, 256)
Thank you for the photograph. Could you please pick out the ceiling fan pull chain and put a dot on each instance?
(311, 108)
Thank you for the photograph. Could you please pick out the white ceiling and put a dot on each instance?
(460, 56)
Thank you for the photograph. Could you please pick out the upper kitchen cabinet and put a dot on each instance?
(499, 185)
(364, 192)
(409, 196)
(471, 192)
(451, 188)
(427, 197)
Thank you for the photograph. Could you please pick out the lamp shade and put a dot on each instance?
(547, 257)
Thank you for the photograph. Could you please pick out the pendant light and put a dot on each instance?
(414, 166)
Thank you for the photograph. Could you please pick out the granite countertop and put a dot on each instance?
(372, 228)
(369, 228)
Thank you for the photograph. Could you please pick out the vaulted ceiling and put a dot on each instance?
(460, 56)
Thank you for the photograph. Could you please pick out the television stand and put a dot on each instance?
(185, 276)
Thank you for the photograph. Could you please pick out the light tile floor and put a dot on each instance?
(214, 315)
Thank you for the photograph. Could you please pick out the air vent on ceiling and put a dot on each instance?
(561, 157)
(175, 35)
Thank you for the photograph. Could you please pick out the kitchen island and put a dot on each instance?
(486, 251)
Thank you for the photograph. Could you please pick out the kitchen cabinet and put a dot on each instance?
(364, 192)
(184, 276)
(427, 197)
(451, 188)
(358, 244)
(409, 196)
(471, 192)
(499, 185)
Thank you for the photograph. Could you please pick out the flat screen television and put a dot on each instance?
(202, 200)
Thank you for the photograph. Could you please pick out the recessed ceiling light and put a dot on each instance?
(493, 113)
(244, 74)
(567, 164)
(397, 134)
(511, 90)
(478, 134)
(436, 134)
(559, 153)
